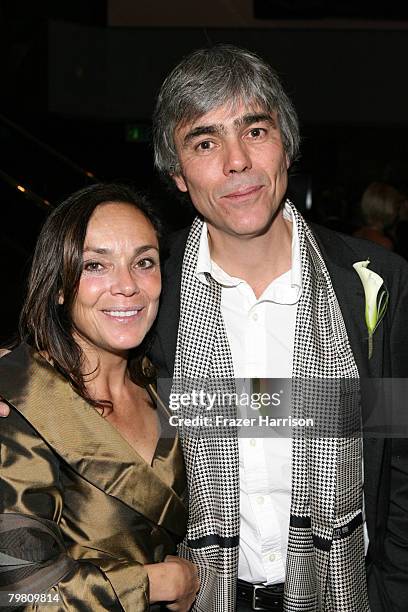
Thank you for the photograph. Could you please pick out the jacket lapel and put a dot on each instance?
(350, 294)
(165, 341)
(83, 439)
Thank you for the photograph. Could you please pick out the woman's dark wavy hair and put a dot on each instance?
(56, 270)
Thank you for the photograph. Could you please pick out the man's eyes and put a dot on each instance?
(257, 132)
(204, 145)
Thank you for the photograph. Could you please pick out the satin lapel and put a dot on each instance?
(86, 441)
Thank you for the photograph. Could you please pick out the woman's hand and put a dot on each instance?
(175, 581)
(4, 409)
(186, 583)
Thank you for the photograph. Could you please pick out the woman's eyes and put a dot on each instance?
(140, 264)
(93, 266)
(146, 262)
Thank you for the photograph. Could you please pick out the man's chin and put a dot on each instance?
(251, 227)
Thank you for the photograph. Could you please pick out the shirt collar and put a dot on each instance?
(205, 265)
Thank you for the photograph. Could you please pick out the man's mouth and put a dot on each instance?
(243, 192)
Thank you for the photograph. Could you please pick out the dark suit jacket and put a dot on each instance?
(385, 460)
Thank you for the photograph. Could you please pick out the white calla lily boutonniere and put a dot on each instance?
(376, 299)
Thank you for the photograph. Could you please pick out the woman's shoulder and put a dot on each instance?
(19, 367)
(25, 454)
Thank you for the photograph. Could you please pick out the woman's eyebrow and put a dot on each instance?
(105, 251)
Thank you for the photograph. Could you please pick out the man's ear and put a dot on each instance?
(180, 182)
(287, 161)
(60, 298)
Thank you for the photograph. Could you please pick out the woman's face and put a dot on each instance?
(119, 289)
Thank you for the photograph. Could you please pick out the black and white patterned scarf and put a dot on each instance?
(325, 561)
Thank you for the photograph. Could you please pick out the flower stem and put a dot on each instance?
(370, 345)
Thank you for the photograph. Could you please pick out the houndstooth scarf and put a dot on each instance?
(325, 562)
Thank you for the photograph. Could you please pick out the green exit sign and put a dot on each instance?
(138, 132)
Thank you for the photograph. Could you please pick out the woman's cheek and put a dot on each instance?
(91, 287)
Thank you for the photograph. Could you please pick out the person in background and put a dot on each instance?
(400, 230)
(92, 497)
(380, 204)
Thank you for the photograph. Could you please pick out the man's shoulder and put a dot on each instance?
(345, 250)
(175, 241)
(173, 247)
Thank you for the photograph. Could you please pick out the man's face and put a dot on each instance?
(234, 167)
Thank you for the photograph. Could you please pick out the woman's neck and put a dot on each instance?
(105, 373)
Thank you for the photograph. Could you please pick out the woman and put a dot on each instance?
(91, 497)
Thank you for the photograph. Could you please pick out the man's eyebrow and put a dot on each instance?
(203, 130)
(250, 118)
(104, 251)
(218, 128)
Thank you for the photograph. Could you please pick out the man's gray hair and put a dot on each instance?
(210, 78)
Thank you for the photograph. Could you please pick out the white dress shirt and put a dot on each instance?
(261, 338)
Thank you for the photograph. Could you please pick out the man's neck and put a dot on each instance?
(256, 259)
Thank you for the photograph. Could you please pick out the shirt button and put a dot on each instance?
(254, 317)
(252, 442)
(272, 557)
(260, 500)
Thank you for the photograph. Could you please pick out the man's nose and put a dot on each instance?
(236, 157)
(125, 282)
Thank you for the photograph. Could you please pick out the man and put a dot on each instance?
(251, 291)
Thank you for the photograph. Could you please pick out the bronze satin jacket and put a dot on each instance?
(80, 510)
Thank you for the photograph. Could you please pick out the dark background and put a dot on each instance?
(79, 79)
